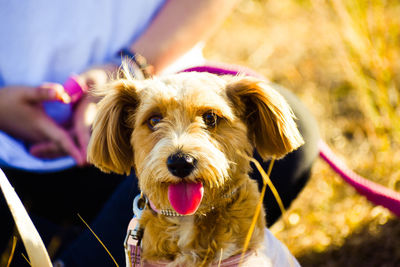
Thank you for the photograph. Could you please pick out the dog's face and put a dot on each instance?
(186, 135)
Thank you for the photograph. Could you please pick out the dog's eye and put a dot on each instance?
(153, 121)
(210, 119)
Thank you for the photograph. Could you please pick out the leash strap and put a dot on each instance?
(132, 245)
(134, 235)
(374, 192)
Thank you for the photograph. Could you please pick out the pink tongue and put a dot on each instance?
(184, 197)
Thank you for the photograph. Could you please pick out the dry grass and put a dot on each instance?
(342, 58)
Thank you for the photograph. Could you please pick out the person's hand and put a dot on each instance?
(84, 112)
(83, 116)
(23, 116)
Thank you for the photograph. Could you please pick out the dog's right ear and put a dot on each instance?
(110, 148)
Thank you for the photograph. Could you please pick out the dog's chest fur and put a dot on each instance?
(185, 231)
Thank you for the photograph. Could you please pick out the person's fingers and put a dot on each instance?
(48, 92)
(48, 150)
(61, 94)
(39, 94)
(68, 145)
(96, 76)
(81, 139)
(82, 121)
(62, 139)
(82, 135)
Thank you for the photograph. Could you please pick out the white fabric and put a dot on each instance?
(48, 40)
(277, 252)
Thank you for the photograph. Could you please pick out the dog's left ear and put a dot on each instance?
(269, 118)
(109, 147)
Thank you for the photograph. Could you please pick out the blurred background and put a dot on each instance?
(342, 58)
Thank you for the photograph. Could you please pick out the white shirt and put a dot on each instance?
(48, 40)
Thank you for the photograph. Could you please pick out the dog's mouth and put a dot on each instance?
(185, 197)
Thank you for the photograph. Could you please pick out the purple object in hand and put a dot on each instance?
(61, 112)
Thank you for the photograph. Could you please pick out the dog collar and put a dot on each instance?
(165, 212)
(171, 212)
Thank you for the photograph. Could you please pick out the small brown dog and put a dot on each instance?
(186, 135)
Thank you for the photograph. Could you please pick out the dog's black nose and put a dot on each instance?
(181, 164)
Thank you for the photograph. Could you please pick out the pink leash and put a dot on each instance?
(374, 192)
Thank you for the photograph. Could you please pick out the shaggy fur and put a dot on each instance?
(250, 114)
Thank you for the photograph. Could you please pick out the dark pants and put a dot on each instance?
(53, 201)
(105, 200)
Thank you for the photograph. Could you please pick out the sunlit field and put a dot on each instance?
(342, 58)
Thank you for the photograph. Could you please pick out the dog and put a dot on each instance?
(188, 137)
